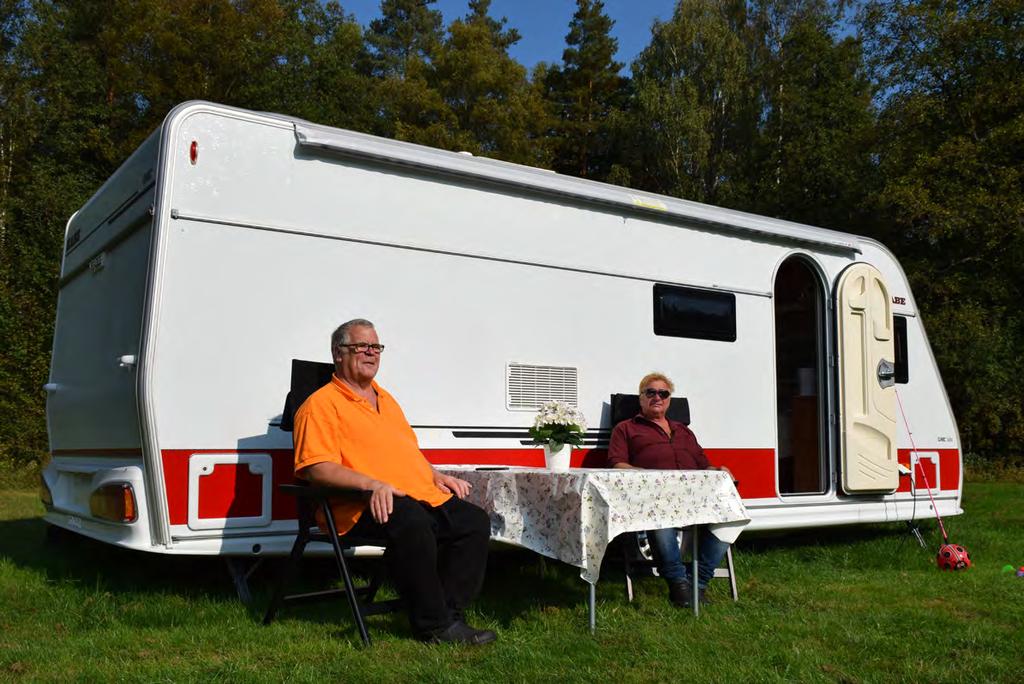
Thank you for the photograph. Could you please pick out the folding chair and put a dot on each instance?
(637, 555)
(307, 377)
(635, 551)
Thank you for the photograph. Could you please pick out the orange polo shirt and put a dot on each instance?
(336, 425)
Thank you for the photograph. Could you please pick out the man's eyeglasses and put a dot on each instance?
(363, 347)
(651, 393)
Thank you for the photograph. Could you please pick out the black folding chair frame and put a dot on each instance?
(360, 599)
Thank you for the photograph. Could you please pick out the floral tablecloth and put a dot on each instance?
(572, 516)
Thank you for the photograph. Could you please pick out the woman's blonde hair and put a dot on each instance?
(651, 377)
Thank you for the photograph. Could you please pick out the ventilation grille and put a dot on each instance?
(529, 387)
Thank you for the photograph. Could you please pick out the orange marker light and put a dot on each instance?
(114, 502)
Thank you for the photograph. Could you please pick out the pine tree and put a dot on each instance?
(404, 43)
(319, 72)
(496, 110)
(407, 35)
(586, 92)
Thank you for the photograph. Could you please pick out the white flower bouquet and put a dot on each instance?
(556, 424)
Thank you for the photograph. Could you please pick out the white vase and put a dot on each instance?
(557, 461)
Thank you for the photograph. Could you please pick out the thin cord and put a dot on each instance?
(928, 487)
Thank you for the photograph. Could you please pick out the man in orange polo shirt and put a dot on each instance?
(352, 433)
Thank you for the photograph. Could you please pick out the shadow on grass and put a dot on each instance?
(516, 583)
(520, 581)
(763, 542)
(64, 556)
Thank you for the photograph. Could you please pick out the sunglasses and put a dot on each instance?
(662, 394)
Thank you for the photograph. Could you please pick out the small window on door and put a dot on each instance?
(902, 362)
(689, 312)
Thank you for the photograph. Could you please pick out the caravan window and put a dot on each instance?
(688, 312)
(899, 324)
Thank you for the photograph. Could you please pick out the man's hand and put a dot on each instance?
(452, 485)
(726, 470)
(382, 501)
(382, 495)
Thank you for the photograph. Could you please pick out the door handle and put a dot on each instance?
(886, 373)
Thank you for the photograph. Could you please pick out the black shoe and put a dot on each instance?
(460, 633)
(679, 594)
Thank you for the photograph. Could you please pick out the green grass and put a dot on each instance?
(859, 604)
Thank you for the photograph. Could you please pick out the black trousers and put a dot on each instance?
(436, 557)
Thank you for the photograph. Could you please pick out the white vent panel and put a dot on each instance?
(529, 386)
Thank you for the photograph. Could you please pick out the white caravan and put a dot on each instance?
(232, 242)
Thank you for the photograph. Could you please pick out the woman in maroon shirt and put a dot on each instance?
(651, 440)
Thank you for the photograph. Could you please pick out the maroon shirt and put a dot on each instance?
(641, 443)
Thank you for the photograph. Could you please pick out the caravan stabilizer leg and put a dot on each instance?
(240, 570)
(916, 531)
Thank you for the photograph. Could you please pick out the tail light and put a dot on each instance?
(114, 502)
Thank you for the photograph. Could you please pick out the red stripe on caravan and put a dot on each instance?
(949, 469)
(754, 468)
(220, 495)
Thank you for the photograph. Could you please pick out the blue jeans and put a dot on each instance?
(667, 556)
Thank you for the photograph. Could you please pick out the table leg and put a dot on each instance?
(693, 573)
(593, 607)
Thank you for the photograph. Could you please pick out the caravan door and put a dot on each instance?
(867, 395)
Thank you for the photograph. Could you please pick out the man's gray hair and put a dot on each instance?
(341, 335)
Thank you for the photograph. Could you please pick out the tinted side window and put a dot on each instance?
(688, 312)
(899, 324)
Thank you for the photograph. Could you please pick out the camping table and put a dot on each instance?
(572, 516)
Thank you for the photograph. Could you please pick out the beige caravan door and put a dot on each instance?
(867, 397)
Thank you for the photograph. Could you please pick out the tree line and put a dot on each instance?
(902, 120)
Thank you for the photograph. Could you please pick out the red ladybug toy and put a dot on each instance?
(953, 557)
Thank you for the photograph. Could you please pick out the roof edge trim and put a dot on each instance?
(360, 145)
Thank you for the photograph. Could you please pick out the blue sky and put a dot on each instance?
(544, 23)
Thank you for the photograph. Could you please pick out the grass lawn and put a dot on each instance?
(859, 604)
